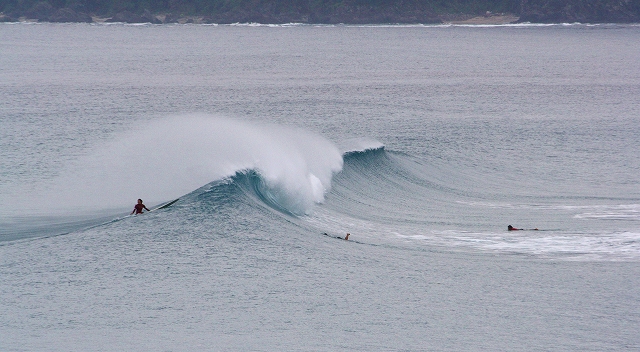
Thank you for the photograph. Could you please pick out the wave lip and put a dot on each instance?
(358, 145)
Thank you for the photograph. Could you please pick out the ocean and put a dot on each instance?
(422, 142)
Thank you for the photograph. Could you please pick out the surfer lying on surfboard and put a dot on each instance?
(342, 238)
(511, 228)
(137, 209)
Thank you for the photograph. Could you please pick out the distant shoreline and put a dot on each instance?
(472, 21)
(494, 19)
(348, 12)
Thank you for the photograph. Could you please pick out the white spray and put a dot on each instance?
(167, 158)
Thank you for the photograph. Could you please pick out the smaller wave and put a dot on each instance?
(356, 145)
(630, 212)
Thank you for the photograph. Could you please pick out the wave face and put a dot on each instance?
(384, 197)
(379, 196)
(286, 168)
(389, 198)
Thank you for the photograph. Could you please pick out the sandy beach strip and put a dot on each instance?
(488, 20)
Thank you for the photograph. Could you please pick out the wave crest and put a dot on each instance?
(167, 158)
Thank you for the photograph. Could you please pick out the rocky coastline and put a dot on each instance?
(345, 12)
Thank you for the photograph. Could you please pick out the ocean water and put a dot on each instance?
(422, 142)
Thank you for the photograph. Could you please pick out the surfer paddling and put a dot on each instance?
(511, 228)
(137, 209)
(346, 238)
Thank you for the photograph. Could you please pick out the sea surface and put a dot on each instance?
(421, 142)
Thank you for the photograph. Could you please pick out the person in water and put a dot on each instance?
(346, 238)
(511, 228)
(138, 208)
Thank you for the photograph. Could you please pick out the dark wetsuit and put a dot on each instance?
(138, 208)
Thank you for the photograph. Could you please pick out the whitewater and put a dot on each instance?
(421, 142)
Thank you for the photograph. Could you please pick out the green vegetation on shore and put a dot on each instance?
(318, 11)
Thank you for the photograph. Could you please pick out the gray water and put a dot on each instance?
(423, 142)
